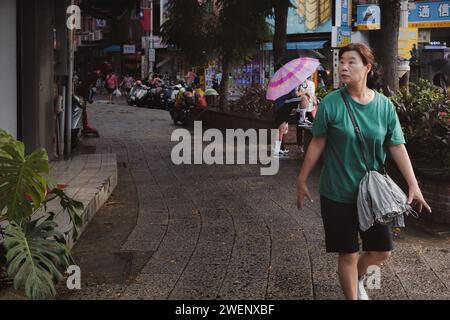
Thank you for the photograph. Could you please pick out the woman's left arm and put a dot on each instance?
(401, 158)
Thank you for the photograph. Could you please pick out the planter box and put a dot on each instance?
(227, 120)
(435, 188)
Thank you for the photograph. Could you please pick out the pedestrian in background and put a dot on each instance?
(305, 108)
(127, 83)
(283, 109)
(111, 85)
(190, 77)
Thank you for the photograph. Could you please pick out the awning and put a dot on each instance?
(113, 49)
(317, 44)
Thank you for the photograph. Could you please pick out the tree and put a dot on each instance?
(388, 44)
(242, 29)
(188, 28)
(280, 9)
(233, 31)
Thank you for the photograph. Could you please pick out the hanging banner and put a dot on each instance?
(146, 19)
(346, 13)
(368, 17)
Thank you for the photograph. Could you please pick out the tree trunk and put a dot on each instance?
(404, 81)
(280, 37)
(388, 53)
(224, 84)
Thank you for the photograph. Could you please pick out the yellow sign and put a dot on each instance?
(407, 37)
(429, 24)
(373, 26)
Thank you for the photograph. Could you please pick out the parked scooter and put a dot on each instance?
(155, 97)
(138, 94)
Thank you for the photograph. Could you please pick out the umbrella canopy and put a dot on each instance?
(211, 92)
(290, 76)
(290, 55)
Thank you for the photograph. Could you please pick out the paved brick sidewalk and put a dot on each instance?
(221, 231)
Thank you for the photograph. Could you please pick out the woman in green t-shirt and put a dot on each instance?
(333, 135)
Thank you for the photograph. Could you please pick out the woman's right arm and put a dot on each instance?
(315, 150)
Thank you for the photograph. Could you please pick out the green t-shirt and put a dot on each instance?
(343, 163)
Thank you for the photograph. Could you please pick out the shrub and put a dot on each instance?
(424, 114)
(253, 101)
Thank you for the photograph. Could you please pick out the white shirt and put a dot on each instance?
(308, 87)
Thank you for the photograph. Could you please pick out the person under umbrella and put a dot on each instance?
(283, 89)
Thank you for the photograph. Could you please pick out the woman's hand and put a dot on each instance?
(415, 198)
(302, 192)
(401, 158)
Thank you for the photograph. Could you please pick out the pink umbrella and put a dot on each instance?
(290, 76)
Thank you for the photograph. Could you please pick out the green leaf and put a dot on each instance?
(34, 257)
(51, 182)
(70, 205)
(21, 176)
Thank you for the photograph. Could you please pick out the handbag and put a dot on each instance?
(380, 199)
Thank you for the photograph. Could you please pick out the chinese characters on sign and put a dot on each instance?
(429, 14)
(421, 15)
(424, 11)
(443, 9)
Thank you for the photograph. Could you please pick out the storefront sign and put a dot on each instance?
(429, 14)
(151, 55)
(100, 23)
(341, 36)
(407, 40)
(368, 17)
(129, 49)
(421, 15)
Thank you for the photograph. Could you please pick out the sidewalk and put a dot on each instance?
(222, 231)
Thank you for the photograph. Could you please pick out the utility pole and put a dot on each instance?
(68, 111)
(152, 43)
(403, 66)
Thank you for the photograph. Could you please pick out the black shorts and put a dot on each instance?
(282, 114)
(340, 221)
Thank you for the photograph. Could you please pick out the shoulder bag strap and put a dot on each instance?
(357, 129)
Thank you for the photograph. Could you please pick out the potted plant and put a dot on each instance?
(35, 250)
(424, 114)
